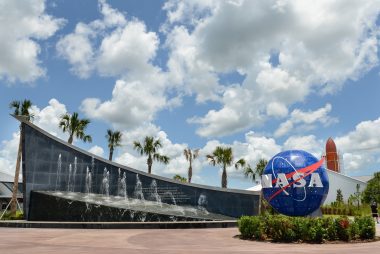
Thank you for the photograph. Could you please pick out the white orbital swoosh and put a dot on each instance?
(304, 189)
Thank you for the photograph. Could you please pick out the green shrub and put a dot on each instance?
(281, 228)
(366, 227)
(354, 229)
(252, 227)
(7, 216)
(246, 227)
(329, 225)
(318, 229)
(301, 228)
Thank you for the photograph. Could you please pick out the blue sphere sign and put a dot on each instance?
(295, 183)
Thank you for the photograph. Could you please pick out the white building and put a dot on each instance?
(337, 181)
(345, 183)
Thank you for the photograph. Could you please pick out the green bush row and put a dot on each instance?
(281, 228)
(346, 209)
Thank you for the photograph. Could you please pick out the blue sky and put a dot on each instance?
(260, 76)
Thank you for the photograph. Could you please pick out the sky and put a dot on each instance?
(260, 76)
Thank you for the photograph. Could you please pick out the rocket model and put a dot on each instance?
(332, 159)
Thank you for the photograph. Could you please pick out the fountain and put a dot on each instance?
(92, 164)
(69, 179)
(154, 193)
(105, 188)
(169, 197)
(74, 175)
(123, 189)
(59, 172)
(202, 202)
(118, 193)
(138, 193)
(88, 182)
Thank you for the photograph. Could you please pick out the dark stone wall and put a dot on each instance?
(40, 172)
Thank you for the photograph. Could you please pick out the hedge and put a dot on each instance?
(280, 228)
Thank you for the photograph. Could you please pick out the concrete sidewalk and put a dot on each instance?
(14, 240)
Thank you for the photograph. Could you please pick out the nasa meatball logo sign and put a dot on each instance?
(295, 183)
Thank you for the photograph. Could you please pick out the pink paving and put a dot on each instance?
(17, 240)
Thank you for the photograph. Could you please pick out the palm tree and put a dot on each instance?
(180, 178)
(150, 148)
(190, 156)
(114, 140)
(223, 157)
(75, 127)
(258, 171)
(21, 108)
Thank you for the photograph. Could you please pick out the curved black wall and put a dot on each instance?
(40, 162)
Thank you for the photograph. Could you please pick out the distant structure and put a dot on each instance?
(332, 158)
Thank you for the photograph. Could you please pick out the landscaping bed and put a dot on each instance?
(279, 228)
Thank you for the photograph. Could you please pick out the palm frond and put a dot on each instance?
(138, 147)
(240, 163)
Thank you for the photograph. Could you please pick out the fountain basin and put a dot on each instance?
(82, 207)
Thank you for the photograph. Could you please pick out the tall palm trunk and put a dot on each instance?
(190, 173)
(70, 139)
(224, 177)
(149, 162)
(17, 173)
(111, 154)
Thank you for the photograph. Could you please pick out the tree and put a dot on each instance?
(180, 178)
(259, 170)
(339, 196)
(372, 191)
(114, 140)
(357, 196)
(75, 127)
(190, 156)
(223, 157)
(150, 148)
(22, 109)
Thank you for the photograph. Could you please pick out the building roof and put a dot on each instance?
(257, 187)
(363, 178)
(6, 190)
(5, 177)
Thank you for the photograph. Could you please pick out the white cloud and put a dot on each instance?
(364, 137)
(8, 154)
(77, 49)
(186, 11)
(130, 48)
(23, 25)
(186, 71)
(49, 117)
(126, 50)
(233, 117)
(132, 104)
(125, 45)
(308, 143)
(306, 120)
(361, 147)
(319, 47)
(97, 150)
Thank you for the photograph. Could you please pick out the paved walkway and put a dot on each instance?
(174, 241)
